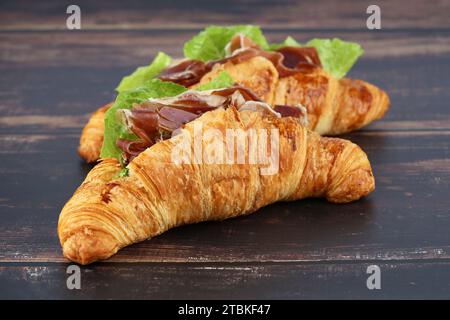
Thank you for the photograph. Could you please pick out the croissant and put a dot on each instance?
(107, 213)
(334, 106)
(91, 139)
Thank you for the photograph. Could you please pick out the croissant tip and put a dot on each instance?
(85, 247)
(354, 179)
(385, 104)
(359, 189)
(88, 152)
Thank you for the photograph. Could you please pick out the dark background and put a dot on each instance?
(52, 78)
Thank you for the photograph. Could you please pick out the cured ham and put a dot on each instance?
(157, 119)
(288, 61)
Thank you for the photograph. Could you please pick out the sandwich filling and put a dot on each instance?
(158, 119)
(287, 60)
(142, 113)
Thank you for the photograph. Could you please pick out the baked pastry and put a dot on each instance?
(91, 139)
(159, 191)
(334, 106)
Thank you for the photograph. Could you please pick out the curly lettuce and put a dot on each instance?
(210, 43)
(222, 80)
(142, 74)
(337, 56)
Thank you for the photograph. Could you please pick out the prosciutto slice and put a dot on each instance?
(290, 111)
(185, 73)
(288, 61)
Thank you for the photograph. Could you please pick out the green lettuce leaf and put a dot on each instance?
(142, 74)
(210, 43)
(114, 128)
(123, 173)
(337, 56)
(223, 80)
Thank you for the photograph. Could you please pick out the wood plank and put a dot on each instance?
(406, 218)
(137, 47)
(232, 281)
(58, 83)
(328, 14)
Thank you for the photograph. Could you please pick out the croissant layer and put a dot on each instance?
(107, 213)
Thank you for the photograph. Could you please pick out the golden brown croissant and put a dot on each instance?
(107, 213)
(91, 139)
(334, 106)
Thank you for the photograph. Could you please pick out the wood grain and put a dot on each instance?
(194, 14)
(132, 48)
(228, 281)
(66, 78)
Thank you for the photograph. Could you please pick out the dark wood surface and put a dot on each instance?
(52, 78)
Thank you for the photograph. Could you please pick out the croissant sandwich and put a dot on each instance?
(198, 155)
(287, 73)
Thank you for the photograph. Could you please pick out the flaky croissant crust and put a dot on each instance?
(107, 213)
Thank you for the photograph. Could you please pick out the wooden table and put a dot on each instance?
(52, 78)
